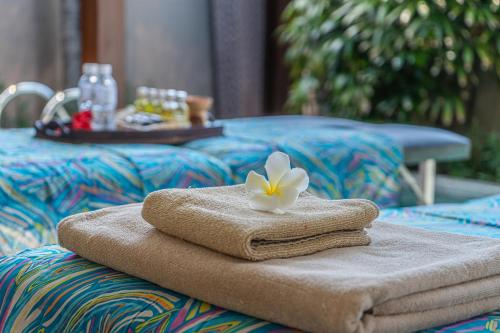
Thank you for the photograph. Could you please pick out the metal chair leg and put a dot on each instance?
(425, 187)
(427, 178)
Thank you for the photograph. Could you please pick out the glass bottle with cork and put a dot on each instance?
(166, 112)
(154, 101)
(141, 100)
(182, 110)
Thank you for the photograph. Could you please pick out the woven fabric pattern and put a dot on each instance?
(42, 182)
(54, 289)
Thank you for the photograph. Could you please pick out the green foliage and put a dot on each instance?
(408, 60)
(484, 163)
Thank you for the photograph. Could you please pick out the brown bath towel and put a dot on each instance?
(407, 279)
(220, 218)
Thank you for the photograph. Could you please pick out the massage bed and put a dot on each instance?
(42, 182)
(54, 290)
(422, 146)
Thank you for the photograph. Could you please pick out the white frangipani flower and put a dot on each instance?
(282, 188)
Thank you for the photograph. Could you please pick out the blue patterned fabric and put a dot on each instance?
(228, 150)
(162, 166)
(342, 163)
(42, 182)
(492, 201)
(55, 290)
(476, 217)
(481, 212)
(52, 290)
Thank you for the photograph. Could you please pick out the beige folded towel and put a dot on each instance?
(407, 279)
(220, 218)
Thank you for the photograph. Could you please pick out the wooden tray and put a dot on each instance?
(170, 136)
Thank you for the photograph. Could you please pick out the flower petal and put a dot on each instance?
(287, 197)
(256, 183)
(296, 178)
(264, 202)
(277, 165)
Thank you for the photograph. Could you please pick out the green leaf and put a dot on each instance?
(435, 110)
(460, 111)
(356, 12)
(447, 113)
(462, 78)
(407, 59)
(468, 59)
(484, 55)
(470, 17)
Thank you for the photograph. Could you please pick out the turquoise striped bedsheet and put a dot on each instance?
(342, 163)
(42, 182)
(53, 290)
(479, 217)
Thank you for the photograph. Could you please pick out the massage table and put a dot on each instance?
(42, 182)
(422, 146)
(54, 290)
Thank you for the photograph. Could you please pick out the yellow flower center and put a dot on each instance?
(272, 189)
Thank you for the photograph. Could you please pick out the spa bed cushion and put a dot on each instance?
(419, 143)
(341, 164)
(54, 289)
(42, 182)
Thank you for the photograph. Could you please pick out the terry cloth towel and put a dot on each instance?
(407, 279)
(221, 219)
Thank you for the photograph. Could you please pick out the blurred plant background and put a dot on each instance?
(414, 61)
(484, 163)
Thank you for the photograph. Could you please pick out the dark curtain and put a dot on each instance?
(250, 78)
(276, 76)
(71, 41)
(238, 32)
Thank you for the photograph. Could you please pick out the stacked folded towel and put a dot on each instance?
(220, 219)
(406, 280)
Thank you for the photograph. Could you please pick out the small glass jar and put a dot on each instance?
(153, 100)
(141, 99)
(171, 105)
(166, 107)
(182, 111)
